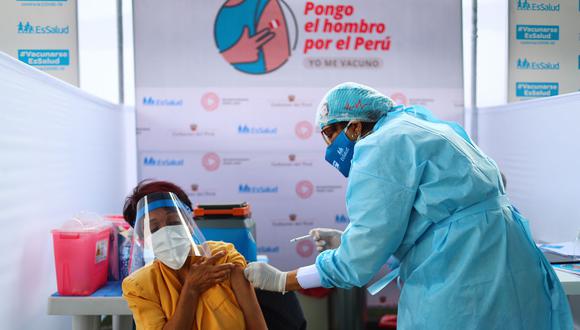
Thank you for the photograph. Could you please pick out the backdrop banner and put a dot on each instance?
(544, 48)
(227, 93)
(43, 34)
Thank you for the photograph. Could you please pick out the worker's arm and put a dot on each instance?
(247, 300)
(380, 197)
(202, 275)
(269, 278)
(292, 281)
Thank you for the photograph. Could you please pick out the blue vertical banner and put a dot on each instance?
(544, 48)
(42, 34)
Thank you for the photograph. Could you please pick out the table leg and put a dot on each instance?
(86, 322)
(122, 322)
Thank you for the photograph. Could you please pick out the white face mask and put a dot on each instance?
(171, 245)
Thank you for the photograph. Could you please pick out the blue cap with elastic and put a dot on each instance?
(351, 101)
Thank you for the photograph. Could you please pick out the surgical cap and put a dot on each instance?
(351, 101)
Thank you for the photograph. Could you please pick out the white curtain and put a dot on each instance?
(62, 151)
(536, 144)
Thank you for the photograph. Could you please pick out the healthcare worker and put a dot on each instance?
(421, 191)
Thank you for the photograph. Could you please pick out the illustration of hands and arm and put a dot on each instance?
(252, 35)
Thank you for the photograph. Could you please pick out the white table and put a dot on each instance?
(87, 311)
(570, 282)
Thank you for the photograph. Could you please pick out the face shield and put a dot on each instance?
(165, 230)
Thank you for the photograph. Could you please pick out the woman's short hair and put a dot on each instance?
(147, 187)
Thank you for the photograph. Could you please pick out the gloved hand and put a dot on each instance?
(326, 238)
(265, 277)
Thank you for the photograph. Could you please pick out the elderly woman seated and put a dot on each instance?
(186, 282)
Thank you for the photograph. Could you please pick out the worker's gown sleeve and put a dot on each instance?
(378, 208)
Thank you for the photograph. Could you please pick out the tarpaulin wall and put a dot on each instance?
(63, 151)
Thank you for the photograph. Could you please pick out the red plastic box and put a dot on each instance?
(81, 256)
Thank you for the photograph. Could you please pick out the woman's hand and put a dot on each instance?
(204, 273)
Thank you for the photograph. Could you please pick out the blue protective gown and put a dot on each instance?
(420, 190)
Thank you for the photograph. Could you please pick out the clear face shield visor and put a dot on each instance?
(165, 230)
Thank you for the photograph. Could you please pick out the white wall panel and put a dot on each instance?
(62, 151)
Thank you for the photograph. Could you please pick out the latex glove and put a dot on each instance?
(265, 277)
(326, 238)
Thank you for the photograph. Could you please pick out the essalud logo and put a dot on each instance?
(268, 249)
(524, 64)
(245, 129)
(527, 5)
(151, 101)
(151, 161)
(248, 189)
(27, 28)
(343, 152)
